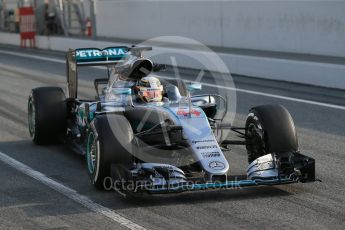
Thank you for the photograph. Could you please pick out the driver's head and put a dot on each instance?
(149, 89)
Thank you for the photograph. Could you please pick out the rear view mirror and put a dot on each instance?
(194, 87)
(122, 91)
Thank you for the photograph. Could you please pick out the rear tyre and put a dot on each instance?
(47, 115)
(109, 142)
(270, 129)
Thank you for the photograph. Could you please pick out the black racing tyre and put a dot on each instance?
(47, 115)
(270, 129)
(109, 142)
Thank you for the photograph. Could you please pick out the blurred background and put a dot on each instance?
(53, 17)
(252, 37)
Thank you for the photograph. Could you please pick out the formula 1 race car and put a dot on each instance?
(162, 146)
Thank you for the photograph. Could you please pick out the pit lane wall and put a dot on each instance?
(312, 73)
(296, 26)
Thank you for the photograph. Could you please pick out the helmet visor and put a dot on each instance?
(152, 95)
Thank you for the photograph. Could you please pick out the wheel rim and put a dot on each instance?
(256, 146)
(91, 152)
(31, 118)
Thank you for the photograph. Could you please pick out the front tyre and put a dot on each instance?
(109, 142)
(270, 129)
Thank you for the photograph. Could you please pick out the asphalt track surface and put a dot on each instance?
(28, 173)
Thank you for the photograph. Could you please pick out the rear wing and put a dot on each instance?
(94, 56)
(97, 57)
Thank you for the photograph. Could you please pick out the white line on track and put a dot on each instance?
(328, 105)
(32, 56)
(270, 95)
(70, 193)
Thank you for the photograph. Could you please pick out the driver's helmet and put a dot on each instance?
(149, 89)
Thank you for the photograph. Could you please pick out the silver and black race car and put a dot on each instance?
(162, 147)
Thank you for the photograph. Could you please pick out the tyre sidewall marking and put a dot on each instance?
(90, 164)
(96, 173)
(32, 127)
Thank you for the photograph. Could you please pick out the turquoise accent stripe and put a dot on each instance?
(90, 164)
(225, 185)
(229, 184)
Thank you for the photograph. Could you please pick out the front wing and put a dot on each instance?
(270, 169)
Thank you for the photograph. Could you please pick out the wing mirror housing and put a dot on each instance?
(122, 91)
(194, 87)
